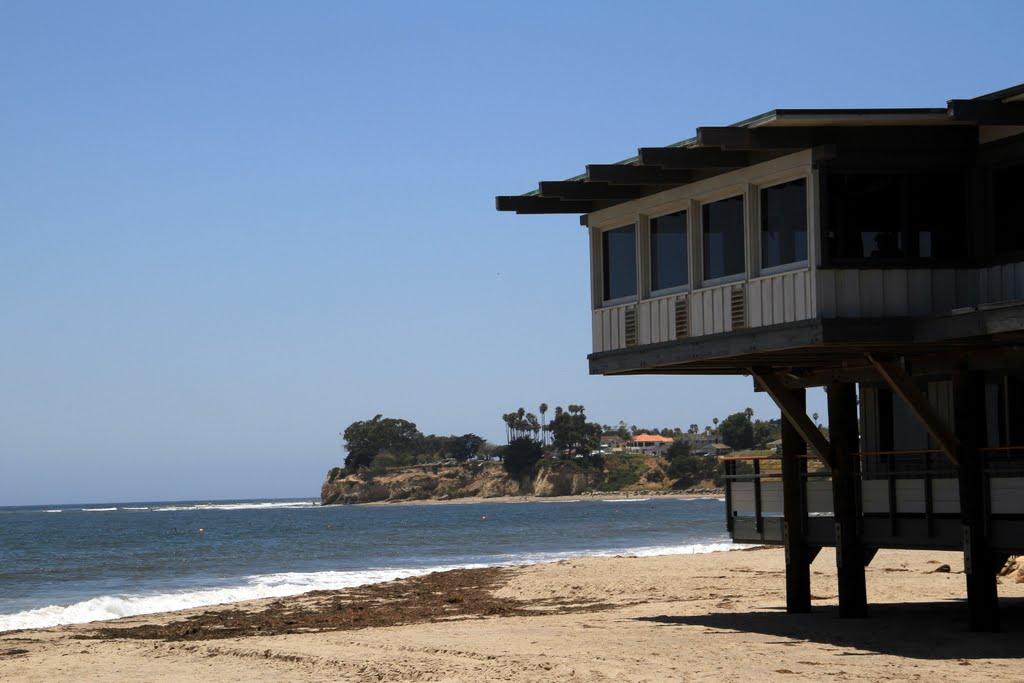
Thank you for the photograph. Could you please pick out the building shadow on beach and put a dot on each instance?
(921, 630)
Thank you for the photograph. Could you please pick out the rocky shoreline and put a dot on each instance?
(487, 481)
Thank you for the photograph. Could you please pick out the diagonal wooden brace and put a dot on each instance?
(903, 386)
(797, 416)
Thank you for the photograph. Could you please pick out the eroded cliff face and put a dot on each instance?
(445, 482)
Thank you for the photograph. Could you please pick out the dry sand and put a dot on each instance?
(718, 616)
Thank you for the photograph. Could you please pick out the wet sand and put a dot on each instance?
(717, 616)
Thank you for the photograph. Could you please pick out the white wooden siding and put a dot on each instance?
(769, 300)
(781, 298)
(771, 497)
(1007, 495)
(798, 295)
(743, 498)
(819, 496)
(874, 495)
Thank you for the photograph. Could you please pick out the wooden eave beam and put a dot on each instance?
(622, 174)
(692, 158)
(903, 386)
(535, 204)
(582, 190)
(796, 415)
(987, 112)
(788, 138)
(737, 138)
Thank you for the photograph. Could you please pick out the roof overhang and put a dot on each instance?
(760, 138)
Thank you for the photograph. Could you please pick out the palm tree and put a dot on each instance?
(543, 423)
(749, 412)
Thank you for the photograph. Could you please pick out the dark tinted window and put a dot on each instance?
(897, 217)
(723, 238)
(784, 223)
(936, 215)
(619, 253)
(668, 251)
(1008, 208)
(864, 212)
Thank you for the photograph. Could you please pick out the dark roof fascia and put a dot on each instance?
(1003, 94)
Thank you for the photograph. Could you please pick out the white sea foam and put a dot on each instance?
(293, 583)
(55, 510)
(98, 509)
(238, 506)
(252, 588)
(624, 500)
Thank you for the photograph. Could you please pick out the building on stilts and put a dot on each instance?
(878, 253)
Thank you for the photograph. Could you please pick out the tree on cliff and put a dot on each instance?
(365, 439)
(689, 469)
(571, 434)
(464, 447)
(737, 431)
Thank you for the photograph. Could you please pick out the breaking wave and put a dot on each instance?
(291, 583)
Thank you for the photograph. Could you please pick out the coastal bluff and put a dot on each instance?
(480, 480)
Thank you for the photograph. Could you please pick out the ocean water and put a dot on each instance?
(62, 564)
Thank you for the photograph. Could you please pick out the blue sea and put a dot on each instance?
(62, 564)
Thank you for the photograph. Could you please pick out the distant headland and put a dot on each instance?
(390, 460)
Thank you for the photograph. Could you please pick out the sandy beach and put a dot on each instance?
(716, 616)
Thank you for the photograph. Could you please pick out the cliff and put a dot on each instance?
(484, 480)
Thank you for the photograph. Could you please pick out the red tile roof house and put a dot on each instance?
(650, 443)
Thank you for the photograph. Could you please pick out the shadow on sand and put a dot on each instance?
(922, 630)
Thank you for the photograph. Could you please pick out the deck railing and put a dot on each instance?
(920, 484)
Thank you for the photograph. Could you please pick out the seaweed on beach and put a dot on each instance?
(457, 594)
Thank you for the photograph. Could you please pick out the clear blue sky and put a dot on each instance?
(229, 229)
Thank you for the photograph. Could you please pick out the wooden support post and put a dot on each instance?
(969, 418)
(844, 444)
(794, 512)
(796, 416)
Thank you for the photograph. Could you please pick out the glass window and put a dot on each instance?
(936, 215)
(897, 216)
(865, 212)
(784, 223)
(723, 238)
(1008, 208)
(619, 255)
(668, 251)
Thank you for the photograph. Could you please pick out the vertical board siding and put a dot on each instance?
(1007, 495)
(946, 496)
(875, 495)
(771, 497)
(819, 496)
(831, 293)
(743, 497)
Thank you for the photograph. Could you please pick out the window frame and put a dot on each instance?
(649, 260)
(741, 191)
(635, 296)
(773, 181)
